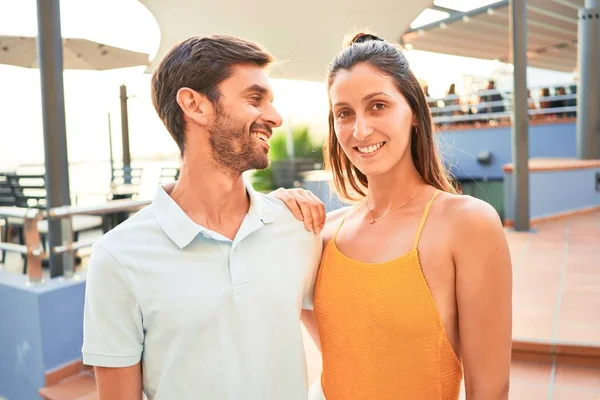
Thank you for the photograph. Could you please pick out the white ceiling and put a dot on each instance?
(304, 35)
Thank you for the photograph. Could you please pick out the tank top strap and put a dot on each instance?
(342, 222)
(423, 219)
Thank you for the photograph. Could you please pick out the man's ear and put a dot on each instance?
(194, 105)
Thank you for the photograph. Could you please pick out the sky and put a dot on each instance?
(91, 96)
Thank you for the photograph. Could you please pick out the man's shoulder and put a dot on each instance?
(134, 229)
(276, 208)
(284, 223)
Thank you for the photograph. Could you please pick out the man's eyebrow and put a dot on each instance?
(256, 88)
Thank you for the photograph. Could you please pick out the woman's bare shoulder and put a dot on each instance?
(461, 208)
(468, 217)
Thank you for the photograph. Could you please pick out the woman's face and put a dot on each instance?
(372, 119)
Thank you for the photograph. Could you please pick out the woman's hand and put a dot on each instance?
(304, 205)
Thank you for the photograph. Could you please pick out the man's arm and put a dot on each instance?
(308, 319)
(113, 331)
(119, 383)
(484, 299)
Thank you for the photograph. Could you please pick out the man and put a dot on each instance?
(199, 295)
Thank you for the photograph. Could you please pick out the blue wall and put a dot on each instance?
(552, 192)
(460, 148)
(41, 328)
(21, 359)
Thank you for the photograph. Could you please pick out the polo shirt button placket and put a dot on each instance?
(239, 272)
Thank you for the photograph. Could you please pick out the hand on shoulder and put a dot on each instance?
(304, 205)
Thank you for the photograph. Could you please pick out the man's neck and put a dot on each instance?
(212, 198)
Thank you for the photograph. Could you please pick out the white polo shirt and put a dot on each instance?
(208, 317)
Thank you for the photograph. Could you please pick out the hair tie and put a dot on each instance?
(366, 37)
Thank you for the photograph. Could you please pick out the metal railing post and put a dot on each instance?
(35, 252)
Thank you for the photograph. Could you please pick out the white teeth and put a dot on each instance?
(370, 149)
(261, 136)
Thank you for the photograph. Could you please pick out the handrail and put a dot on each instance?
(15, 212)
(32, 247)
(67, 212)
(112, 206)
(503, 114)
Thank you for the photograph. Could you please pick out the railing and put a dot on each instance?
(33, 249)
(472, 107)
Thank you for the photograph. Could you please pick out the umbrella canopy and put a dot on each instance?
(82, 54)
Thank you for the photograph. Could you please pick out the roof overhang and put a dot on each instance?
(485, 33)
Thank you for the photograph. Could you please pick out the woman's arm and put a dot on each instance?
(484, 299)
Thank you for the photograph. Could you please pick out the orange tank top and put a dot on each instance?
(381, 334)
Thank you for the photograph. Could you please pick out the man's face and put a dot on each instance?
(244, 120)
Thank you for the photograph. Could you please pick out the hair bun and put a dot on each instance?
(360, 37)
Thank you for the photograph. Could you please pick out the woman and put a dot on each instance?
(415, 281)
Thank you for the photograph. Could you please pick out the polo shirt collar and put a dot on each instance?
(182, 230)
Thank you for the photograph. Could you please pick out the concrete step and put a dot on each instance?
(81, 386)
(573, 354)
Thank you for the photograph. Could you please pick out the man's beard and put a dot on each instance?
(233, 149)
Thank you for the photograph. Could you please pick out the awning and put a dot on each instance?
(303, 35)
(484, 33)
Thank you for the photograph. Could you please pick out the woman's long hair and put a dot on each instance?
(389, 60)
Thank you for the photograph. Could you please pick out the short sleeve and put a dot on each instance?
(113, 334)
(315, 251)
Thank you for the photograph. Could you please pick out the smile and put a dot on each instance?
(369, 149)
(260, 135)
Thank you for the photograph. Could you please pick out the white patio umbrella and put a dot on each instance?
(81, 54)
(78, 54)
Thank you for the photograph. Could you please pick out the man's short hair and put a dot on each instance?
(201, 64)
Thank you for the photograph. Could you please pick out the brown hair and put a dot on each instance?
(201, 64)
(389, 60)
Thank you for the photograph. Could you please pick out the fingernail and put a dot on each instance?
(300, 217)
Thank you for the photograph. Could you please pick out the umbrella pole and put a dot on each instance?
(125, 135)
(50, 56)
(110, 152)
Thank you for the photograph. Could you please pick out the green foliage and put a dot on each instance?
(304, 148)
(262, 180)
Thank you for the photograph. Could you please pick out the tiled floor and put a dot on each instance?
(557, 281)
